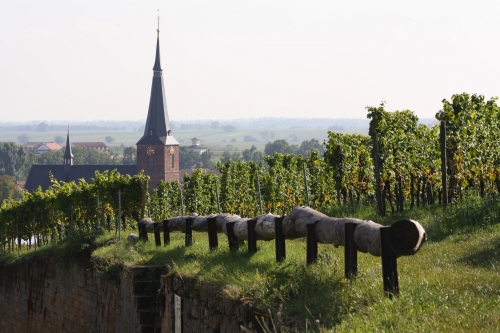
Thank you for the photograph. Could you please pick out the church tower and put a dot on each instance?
(157, 150)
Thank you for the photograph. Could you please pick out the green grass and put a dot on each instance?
(451, 285)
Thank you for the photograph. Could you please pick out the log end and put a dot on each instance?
(406, 237)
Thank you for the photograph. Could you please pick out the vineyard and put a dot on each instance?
(399, 166)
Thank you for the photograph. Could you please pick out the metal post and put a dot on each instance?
(231, 237)
(166, 233)
(279, 239)
(305, 185)
(389, 264)
(119, 212)
(217, 195)
(189, 232)
(350, 251)
(156, 231)
(252, 238)
(213, 242)
(258, 192)
(312, 244)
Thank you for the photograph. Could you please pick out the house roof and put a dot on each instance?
(39, 174)
(95, 145)
(52, 145)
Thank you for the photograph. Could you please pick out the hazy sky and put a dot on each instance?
(86, 60)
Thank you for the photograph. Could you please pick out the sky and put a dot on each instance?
(92, 60)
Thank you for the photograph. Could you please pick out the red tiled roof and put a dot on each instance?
(52, 145)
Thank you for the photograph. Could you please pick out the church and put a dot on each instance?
(157, 150)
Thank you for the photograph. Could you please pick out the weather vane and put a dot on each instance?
(158, 30)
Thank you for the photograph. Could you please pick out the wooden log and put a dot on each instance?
(405, 236)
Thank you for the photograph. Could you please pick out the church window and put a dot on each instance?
(151, 162)
(172, 161)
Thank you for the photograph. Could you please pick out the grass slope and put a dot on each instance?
(451, 285)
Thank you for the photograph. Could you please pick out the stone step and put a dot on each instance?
(146, 287)
(147, 317)
(150, 329)
(145, 302)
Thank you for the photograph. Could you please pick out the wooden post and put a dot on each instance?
(231, 237)
(53, 238)
(143, 197)
(378, 186)
(157, 234)
(213, 242)
(96, 216)
(389, 264)
(217, 195)
(444, 175)
(71, 217)
(119, 212)
(350, 251)
(188, 241)
(252, 237)
(166, 233)
(311, 244)
(182, 202)
(305, 185)
(279, 239)
(258, 192)
(18, 238)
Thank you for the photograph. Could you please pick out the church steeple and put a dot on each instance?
(157, 150)
(68, 155)
(157, 128)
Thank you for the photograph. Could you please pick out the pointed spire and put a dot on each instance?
(157, 66)
(68, 155)
(157, 129)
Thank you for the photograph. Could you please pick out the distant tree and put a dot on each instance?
(226, 156)
(23, 138)
(42, 127)
(215, 125)
(280, 146)
(129, 156)
(249, 138)
(306, 147)
(109, 139)
(8, 188)
(51, 157)
(252, 154)
(15, 160)
(59, 139)
(206, 159)
(89, 156)
(234, 140)
(294, 138)
(229, 128)
(188, 158)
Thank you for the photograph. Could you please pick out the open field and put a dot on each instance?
(450, 285)
(216, 140)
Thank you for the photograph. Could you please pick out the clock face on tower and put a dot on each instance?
(150, 150)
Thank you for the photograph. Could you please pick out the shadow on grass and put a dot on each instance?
(488, 257)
